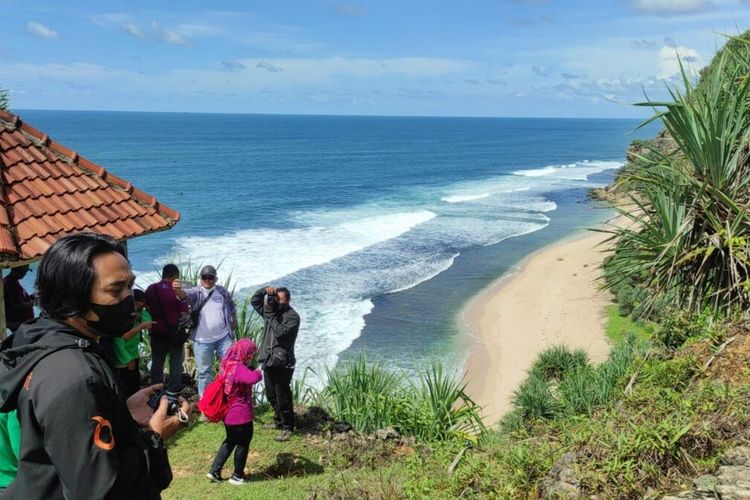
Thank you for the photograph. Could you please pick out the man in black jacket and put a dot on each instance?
(79, 438)
(277, 353)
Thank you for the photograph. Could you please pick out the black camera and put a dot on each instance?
(272, 300)
(173, 406)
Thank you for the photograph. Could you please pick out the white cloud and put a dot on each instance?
(40, 30)
(317, 69)
(133, 30)
(669, 61)
(168, 36)
(670, 7)
(154, 32)
(109, 20)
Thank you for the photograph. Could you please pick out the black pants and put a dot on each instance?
(159, 350)
(238, 439)
(130, 380)
(278, 383)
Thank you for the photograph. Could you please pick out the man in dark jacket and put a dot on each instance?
(277, 353)
(79, 438)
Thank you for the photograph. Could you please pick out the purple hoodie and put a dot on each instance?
(240, 399)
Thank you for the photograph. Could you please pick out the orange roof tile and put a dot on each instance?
(48, 191)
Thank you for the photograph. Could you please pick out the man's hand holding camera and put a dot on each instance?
(159, 421)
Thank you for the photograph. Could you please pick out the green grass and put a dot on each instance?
(297, 468)
(369, 396)
(619, 326)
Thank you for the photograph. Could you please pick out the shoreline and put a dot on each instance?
(550, 298)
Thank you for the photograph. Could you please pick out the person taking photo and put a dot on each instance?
(281, 325)
(80, 439)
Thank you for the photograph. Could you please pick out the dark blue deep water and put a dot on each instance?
(382, 227)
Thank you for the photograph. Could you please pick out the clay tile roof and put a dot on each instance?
(48, 191)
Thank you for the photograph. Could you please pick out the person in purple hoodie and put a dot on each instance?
(238, 387)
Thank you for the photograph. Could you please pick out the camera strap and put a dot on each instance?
(198, 309)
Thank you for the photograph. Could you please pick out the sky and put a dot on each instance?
(517, 58)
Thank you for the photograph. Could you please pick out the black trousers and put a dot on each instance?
(278, 382)
(160, 348)
(238, 439)
(130, 380)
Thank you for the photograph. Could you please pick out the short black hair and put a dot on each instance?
(66, 274)
(170, 271)
(285, 291)
(139, 295)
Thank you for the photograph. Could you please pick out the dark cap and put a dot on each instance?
(208, 271)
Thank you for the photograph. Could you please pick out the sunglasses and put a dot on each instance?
(208, 277)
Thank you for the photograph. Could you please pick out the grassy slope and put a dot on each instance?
(619, 326)
(401, 474)
(278, 470)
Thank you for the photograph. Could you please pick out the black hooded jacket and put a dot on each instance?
(279, 333)
(78, 439)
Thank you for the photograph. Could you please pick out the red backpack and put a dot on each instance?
(214, 403)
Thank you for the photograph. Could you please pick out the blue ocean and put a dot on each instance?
(382, 227)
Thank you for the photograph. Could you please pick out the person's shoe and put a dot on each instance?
(238, 480)
(283, 435)
(271, 426)
(214, 477)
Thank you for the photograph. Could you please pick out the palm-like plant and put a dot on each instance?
(691, 232)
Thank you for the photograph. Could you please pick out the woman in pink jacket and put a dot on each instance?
(238, 387)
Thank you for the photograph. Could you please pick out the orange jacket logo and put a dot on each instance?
(103, 437)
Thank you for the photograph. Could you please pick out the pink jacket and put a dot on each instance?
(241, 398)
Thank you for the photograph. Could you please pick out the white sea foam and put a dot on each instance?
(579, 171)
(448, 263)
(464, 198)
(337, 261)
(247, 254)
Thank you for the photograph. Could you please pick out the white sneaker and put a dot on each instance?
(237, 480)
(214, 477)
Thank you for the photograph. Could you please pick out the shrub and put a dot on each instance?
(367, 396)
(444, 409)
(534, 399)
(557, 361)
(677, 326)
(370, 397)
(582, 387)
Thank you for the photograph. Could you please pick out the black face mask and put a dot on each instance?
(114, 320)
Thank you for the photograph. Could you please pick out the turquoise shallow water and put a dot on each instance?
(381, 227)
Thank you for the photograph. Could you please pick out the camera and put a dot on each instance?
(272, 300)
(173, 406)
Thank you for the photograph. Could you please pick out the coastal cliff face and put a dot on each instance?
(663, 144)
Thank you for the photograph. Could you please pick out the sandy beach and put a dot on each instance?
(553, 298)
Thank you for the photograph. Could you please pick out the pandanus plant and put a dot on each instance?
(689, 240)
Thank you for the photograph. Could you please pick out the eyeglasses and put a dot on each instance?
(208, 277)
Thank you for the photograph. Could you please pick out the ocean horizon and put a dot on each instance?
(382, 227)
